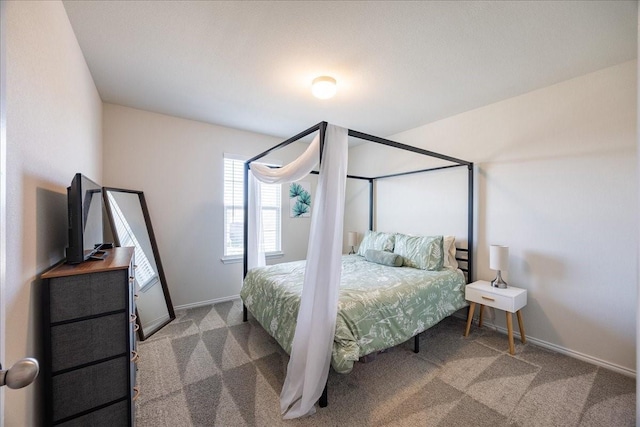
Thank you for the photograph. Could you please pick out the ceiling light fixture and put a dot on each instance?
(323, 87)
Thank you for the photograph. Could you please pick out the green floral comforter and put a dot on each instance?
(379, 306)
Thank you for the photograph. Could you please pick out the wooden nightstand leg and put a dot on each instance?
(521, 325)
(512, 349)
(472, 307)
(480, 316)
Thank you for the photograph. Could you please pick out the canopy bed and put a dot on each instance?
(334, 309)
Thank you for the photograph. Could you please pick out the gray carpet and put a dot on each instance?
(208, 368)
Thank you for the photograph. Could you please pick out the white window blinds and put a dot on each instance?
(234, 209)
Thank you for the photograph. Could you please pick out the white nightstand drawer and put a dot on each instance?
(511, 299)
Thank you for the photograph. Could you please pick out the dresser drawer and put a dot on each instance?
(88, 294)
(87, 388)
(77, 343)
(111, 416)
(508, 299)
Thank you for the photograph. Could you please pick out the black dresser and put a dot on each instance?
(89, 342)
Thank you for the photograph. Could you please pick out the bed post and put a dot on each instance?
(470, 227)
(245, 226)
(322, 132)
(371, 181)
(324, 399)
(245, 236)
(322, 126)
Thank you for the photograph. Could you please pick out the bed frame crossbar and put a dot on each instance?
(405, 147)
(321, 128)
(283, 144)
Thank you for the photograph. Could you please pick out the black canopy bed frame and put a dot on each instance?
(321, 128)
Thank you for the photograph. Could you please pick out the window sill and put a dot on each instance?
(234, 259)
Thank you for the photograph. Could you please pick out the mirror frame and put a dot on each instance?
(154, 247)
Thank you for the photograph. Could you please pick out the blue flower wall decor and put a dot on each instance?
(299, 200)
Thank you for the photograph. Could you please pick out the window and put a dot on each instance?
(234, 209)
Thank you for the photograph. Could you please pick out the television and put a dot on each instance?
(84, 204)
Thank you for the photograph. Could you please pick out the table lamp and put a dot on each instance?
(352, 240)
(499, 260)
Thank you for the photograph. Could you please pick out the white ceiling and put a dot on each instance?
(399, 65)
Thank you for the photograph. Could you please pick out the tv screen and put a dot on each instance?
(84, 198)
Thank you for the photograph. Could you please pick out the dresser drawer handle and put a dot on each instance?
(134, 356)
(136, 296)
(131, 279)
(134, 317)
(136, 327)
(487, 298)
(136, 394)
(135, 266)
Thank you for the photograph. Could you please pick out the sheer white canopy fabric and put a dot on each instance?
(292, 172)
(259, 172)
(255, 244)
(313, 340)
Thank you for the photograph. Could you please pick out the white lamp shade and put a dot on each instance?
(499, 257)
(352, 238)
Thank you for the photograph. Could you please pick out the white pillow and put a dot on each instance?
(449, 246)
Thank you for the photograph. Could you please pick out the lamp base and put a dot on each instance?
(498, 282)
(352, 252)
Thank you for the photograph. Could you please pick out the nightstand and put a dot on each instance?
(511, 300)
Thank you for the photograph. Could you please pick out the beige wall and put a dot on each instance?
(638, 248)
(53, 131)
(556, 181)
(178, 164)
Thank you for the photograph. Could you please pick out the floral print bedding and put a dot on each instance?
(379, 306)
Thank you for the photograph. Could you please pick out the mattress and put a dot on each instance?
(379, 306)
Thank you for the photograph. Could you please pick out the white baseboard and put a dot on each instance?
(559, 349)
(208, 302)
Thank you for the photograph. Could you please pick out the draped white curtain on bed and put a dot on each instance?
(255, 245)
(259, 172)
(313, 340)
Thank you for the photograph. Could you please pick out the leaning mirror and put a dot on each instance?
(131, 226)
